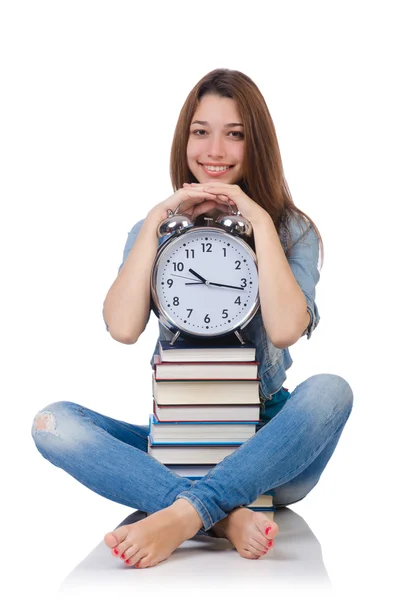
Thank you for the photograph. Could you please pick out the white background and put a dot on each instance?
(91, 92)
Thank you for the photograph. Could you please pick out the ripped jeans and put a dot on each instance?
(285, 456)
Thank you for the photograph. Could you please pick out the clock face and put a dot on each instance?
(205, 282)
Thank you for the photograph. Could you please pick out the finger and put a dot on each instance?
(212, 198)
(224, 197)
(190, 198)
(213, 188)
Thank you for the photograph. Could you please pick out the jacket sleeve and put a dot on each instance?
(303, 260)
(132, 235)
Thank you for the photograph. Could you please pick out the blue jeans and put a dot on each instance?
(286, 456)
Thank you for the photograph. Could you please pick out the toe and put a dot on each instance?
(259, 546)
(269, 529)
(246, 553)
(147, 561)
(254, 550)
(130, 552)
(132, 562)
(110, 540)
(114, 538)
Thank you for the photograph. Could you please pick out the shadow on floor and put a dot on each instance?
(295, 563)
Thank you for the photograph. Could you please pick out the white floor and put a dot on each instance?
(202, 564)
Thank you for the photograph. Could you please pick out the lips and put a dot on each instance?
(214, 165)
(214, 173)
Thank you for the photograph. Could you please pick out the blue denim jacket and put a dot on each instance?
(303, 260)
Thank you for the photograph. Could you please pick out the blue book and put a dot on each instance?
(196, 453)
(209, 443)
(200, 431)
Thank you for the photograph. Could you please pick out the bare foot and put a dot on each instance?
(153, 539)
(251, 533)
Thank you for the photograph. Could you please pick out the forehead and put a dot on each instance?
(217, 109)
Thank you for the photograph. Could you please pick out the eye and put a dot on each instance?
(235, 134)
(197, 131)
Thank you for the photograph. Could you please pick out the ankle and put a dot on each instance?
(219, 529)
(187, 514)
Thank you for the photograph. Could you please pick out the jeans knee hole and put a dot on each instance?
(45, 422)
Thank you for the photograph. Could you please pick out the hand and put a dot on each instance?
(203, 280)
(199, 276)
(234, 287)
(184, 277)
(190, 198)
(232, 194)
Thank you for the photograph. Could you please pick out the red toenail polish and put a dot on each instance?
(127, 562)
(122, 556)
(267, 530)
(115, 551)
(270, 544)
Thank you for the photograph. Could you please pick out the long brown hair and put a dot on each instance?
(263, 179)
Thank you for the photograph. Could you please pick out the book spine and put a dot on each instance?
(173, 444)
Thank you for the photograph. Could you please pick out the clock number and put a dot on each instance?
(224, 251)
(238, 263)
(225, 314)
(187, 250)
(178, 266)
(207, 319)
(245, 283)
(170, 282)
(209, 247)
(175, 301)
(191, 310)
(237, 300)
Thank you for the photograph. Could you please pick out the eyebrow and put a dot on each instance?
(227, 124)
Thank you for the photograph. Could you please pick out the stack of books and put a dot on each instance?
(205, 404)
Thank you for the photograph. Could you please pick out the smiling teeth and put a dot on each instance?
(215, 168)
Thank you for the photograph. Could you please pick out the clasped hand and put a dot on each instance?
(234, 195)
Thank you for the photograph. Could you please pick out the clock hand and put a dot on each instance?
(183, 277)
(197, 275)
(234, 287)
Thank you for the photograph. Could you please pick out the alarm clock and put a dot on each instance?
(204, 279)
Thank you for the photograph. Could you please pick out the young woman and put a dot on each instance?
(224, 151)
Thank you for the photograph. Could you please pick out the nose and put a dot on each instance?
(215, 147)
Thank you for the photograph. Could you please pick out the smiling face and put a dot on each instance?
(216, 140)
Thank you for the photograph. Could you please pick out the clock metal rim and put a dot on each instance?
(166, 319)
